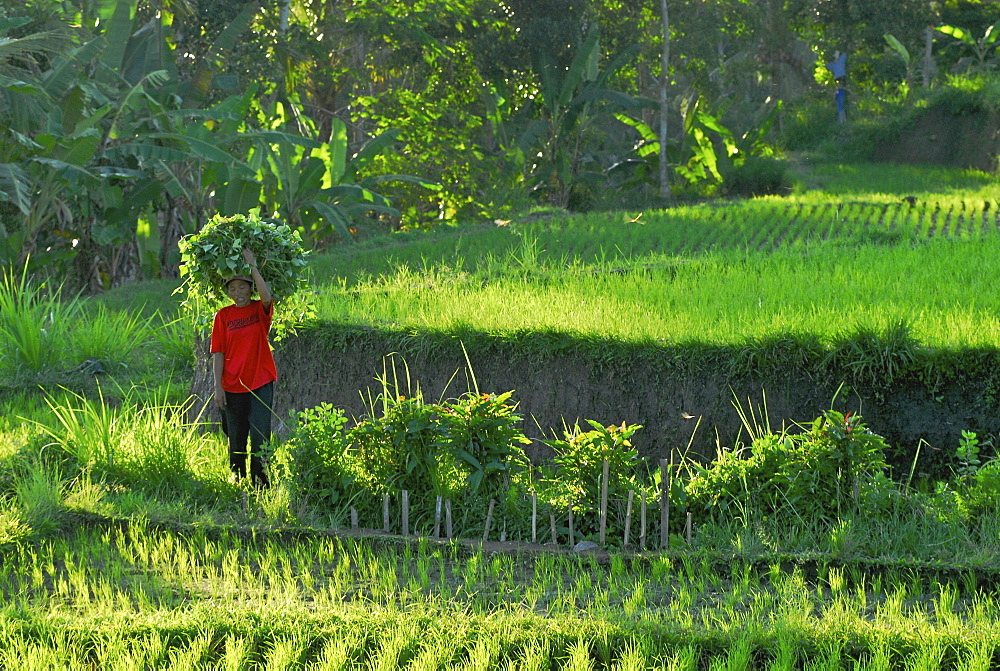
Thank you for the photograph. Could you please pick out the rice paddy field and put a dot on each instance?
(123, 544)
(820, 263)
(134, 596)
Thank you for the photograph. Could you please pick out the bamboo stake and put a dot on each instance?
(437, 517)
(572, 536)
(489, 520)
(354, 517)
(406, 512)
(604, 502)
(447, 519)
(664, 505)
(628, 516)
(687, 529)
(534, 517)
(552, 525)
(503, 532)
(642, 522)
(385, 513)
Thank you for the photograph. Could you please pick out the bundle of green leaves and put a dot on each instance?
(216, 252)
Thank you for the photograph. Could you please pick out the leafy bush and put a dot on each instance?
(975, 487)
(757, 176)
(814, 474)
(459, 448)
(317, 455)
(484, 434)
(984, 495)
(574, 479)
(410, 445)
(809, 123)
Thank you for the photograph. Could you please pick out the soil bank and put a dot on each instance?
(693, 412)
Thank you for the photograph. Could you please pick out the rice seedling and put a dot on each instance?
(286, 652)
(110, 572)
(714, 301)
(236, 653)
(929, 654)
(535, 655)
(577, 657)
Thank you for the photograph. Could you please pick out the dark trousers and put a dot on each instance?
(248, 415)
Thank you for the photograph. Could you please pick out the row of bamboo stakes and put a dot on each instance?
(443, 506)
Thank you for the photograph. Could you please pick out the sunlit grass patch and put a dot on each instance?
(937, 288)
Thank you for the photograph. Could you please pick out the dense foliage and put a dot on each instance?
(131, 125)
(216, 252)
(469, 446)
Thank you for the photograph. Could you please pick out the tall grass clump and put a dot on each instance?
(150, 445)
(45, 331)
(100, 333)
(39, 497)
(36, 322)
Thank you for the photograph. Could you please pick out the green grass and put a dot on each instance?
(815, 265)
(869, 181)
(848, 205)
(938, 288)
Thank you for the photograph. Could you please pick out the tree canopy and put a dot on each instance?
(129, 123)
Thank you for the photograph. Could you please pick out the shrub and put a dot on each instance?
(483, 431)
(814, 474)
(464, 447)
(757, 176)
(574, 479)
(975, 487)
(317, 455)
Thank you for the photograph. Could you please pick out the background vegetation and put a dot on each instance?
(131, 123)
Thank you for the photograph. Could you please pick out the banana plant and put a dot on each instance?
(111, 143)
(568, 99)
(981, 47)
(904, 54)
(694, 155)
(317, 188)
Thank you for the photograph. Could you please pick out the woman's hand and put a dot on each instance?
(249, 257)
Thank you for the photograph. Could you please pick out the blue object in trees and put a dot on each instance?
(839, 66)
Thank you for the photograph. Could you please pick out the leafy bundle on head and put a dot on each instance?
(215, 253)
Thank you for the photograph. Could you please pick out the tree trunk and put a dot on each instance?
(125, 266)
(171, 231)
(664, 82)
(283, 21)
(928, 56)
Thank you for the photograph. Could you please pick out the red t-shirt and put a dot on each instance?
(241, 335)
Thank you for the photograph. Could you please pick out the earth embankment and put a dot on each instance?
(679, 403)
